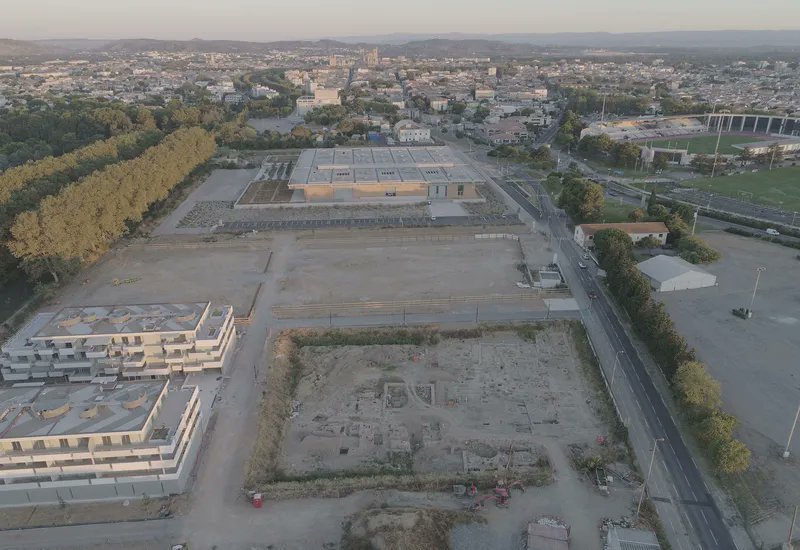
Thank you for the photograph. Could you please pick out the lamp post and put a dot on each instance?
(649, 471)
(759, 271)
(786, 452)
(614, 370)
(794, 215)
(694, 223)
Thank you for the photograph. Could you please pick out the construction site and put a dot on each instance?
(472, 406)
(471, 432)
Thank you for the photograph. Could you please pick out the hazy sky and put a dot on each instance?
(282, 19)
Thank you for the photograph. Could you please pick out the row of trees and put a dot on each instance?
(691, 248)
(585, 101)
(619, 153)
(570, 132)
(696, 390)
(540, 158)
(68, 164)
(83, 218)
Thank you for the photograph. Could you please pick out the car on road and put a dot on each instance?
(773, 232)
(582, 265)
(592, 295)
(586, 256)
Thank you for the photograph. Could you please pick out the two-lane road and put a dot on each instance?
(688, 492)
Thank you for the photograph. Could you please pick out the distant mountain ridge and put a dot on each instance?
(442, 45)
(670, 39)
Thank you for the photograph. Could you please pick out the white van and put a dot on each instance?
(773, 232)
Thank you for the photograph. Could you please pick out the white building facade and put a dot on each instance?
(105, 343)
(82, 442)
(584, 233)
(408, 131)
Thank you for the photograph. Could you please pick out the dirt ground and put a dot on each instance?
(459, 405)
(95, 512)
(755, 360)
(356, 272)
(223, 275)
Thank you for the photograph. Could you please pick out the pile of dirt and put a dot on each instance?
(403, 528)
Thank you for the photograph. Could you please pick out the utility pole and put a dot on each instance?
(759, 271)
(786, 452)
(603, 112)
(774, 150)
(791, 528)
(716, 149)
(794, 215)
(694, 223)
(649, 471)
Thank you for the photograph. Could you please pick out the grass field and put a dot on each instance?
(779, 188)
(706, 144)
(614, 212)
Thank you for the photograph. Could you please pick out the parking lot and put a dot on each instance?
(755, 360)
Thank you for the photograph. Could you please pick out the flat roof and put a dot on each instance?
(375, 165)
(77, 409)
(100, 321)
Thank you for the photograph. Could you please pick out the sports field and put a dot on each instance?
(706, 144)
(779, 188)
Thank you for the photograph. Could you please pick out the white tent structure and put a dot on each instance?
(668, 273)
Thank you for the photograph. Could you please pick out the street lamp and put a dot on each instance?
(649, 471)
(759, 271)
(794, 215)
(791, 433)
(614, 370)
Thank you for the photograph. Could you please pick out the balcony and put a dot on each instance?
(135, 360)
(176, 357)
(133, 348)
(181, 343)
(74, 364)
(96, 352)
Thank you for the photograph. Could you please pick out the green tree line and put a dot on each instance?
(585, 101)
(695, 389)
(580, 198)
(618, 153)
(79, 222)
(68, 164)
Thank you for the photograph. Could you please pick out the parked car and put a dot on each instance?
(773, 232)
(586, 256)
(582, 265)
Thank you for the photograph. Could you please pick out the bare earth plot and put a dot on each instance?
(352, 272)
(149, 274)
(458, 405)
(755, 360)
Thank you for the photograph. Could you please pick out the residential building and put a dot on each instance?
(408, 131)
(439, 103)
(363, 173)
(584, 233)
(263, 91)
(506, 130)
(103, 343)
(118, 440)
(669, 273)
(322, 96)
(484, 93)
(234, 98)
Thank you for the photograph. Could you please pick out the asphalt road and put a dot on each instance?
(693, 498)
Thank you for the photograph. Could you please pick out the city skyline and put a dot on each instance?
(251, 20)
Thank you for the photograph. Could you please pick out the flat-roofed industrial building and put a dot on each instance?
(81, 442)
(353, 173)
(104, 343)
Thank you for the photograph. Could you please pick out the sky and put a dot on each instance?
(265, 20)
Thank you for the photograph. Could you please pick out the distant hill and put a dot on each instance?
(135, 45)
(20, 48)
(666, 39)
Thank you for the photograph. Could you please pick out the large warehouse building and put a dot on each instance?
(348, 174)
(668, 273)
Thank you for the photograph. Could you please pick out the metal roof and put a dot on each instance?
(662, 268)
